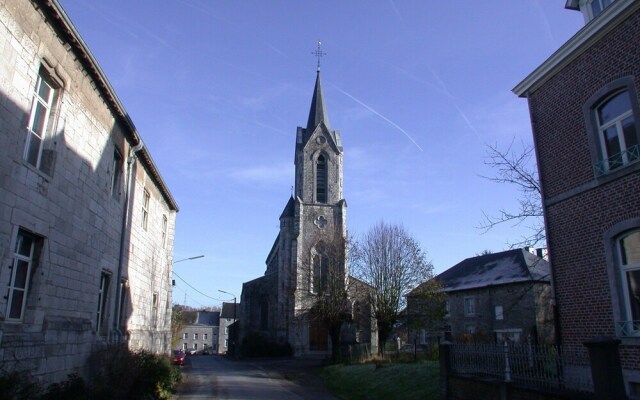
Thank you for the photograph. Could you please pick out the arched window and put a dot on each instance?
(321, 179)
(616, 132)
(320, 270)
(629, 259)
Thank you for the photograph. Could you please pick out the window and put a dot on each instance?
(226, 343)
(103, 292)
(195, 346)
(470, 329)
(469, 306)
(117, 174)
(226, 330)
(195, 336)
(154, 309)
(145, 209)
(447, 308)
(629, 259)
(598, 5)
(25, 256)
(617, 132)
(40, 120)
(185, 335)
(184, 345)
(499, 313)
(122, 317)
(205, 336)
(321, 179)
(165, 223)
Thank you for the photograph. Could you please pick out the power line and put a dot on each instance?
(188, 284)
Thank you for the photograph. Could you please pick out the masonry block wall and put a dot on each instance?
(581, 207)
(73, 208)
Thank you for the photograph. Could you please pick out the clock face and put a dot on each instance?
(321, 139)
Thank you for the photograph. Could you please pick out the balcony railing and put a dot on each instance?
(632, 154)
(628, 328)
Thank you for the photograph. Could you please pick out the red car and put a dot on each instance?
(178, 357)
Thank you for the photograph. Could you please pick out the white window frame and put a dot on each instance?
(165, 225)
(46, 105)
(116, 175)
(185, 346)
(499, 311)
(146, 200)
(185, 335)
(103, 295)
(632, 327)
(205, 336)
(15, 289)
(469, 306)
(154, 309)
(617, 123)
(195, 336)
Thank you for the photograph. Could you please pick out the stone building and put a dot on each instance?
(86, 220)
(202, 335)
(307, 250)
(494, 297)
(583, 101)
(228, 317)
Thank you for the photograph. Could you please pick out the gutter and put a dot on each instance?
(123, 230)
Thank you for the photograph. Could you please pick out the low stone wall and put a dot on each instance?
(473, 388)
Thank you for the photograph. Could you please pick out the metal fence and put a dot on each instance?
(540, 366)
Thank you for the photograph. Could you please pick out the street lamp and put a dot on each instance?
(234, 329)
(189, 258)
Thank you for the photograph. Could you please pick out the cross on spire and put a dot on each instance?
(319, 53)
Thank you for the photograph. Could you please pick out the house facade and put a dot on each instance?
(309, 250)
(228, 316)
(583, 102)
(493, 297)
(86, 220)
(202, 335)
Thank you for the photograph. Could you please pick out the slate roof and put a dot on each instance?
(511, 266)
(318, 111)
(210, 318)
(227, 310)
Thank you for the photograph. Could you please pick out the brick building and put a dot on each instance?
(494, 297)
(86, 220)
(583, 103)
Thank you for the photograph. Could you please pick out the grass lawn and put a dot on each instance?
(419, 380)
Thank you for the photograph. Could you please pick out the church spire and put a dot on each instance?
(318, 111)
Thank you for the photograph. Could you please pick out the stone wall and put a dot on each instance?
(71, 210)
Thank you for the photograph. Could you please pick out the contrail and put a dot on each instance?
(453, 101)
(380, 115)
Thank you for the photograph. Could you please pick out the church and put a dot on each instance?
(279, 305)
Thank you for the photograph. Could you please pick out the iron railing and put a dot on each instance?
(628, 328)
(540, 366)
(616, 161)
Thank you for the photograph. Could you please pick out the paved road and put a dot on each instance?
(215, 377)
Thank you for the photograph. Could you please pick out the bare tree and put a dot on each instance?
(426, 307)
(392, 263)
(517, 168)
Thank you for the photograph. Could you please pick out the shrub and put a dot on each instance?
(18, 386)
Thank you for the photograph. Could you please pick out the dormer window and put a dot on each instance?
(597, 6)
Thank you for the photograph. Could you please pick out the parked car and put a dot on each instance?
(178, 357)
(192, 352)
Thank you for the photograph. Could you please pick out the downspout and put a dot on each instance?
(123, 229)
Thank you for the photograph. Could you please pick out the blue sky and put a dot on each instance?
(416, 88)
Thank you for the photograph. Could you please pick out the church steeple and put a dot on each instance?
(318, 111)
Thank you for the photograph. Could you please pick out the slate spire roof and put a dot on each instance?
(318, 111)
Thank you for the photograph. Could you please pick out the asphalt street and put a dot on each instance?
(216, 377)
